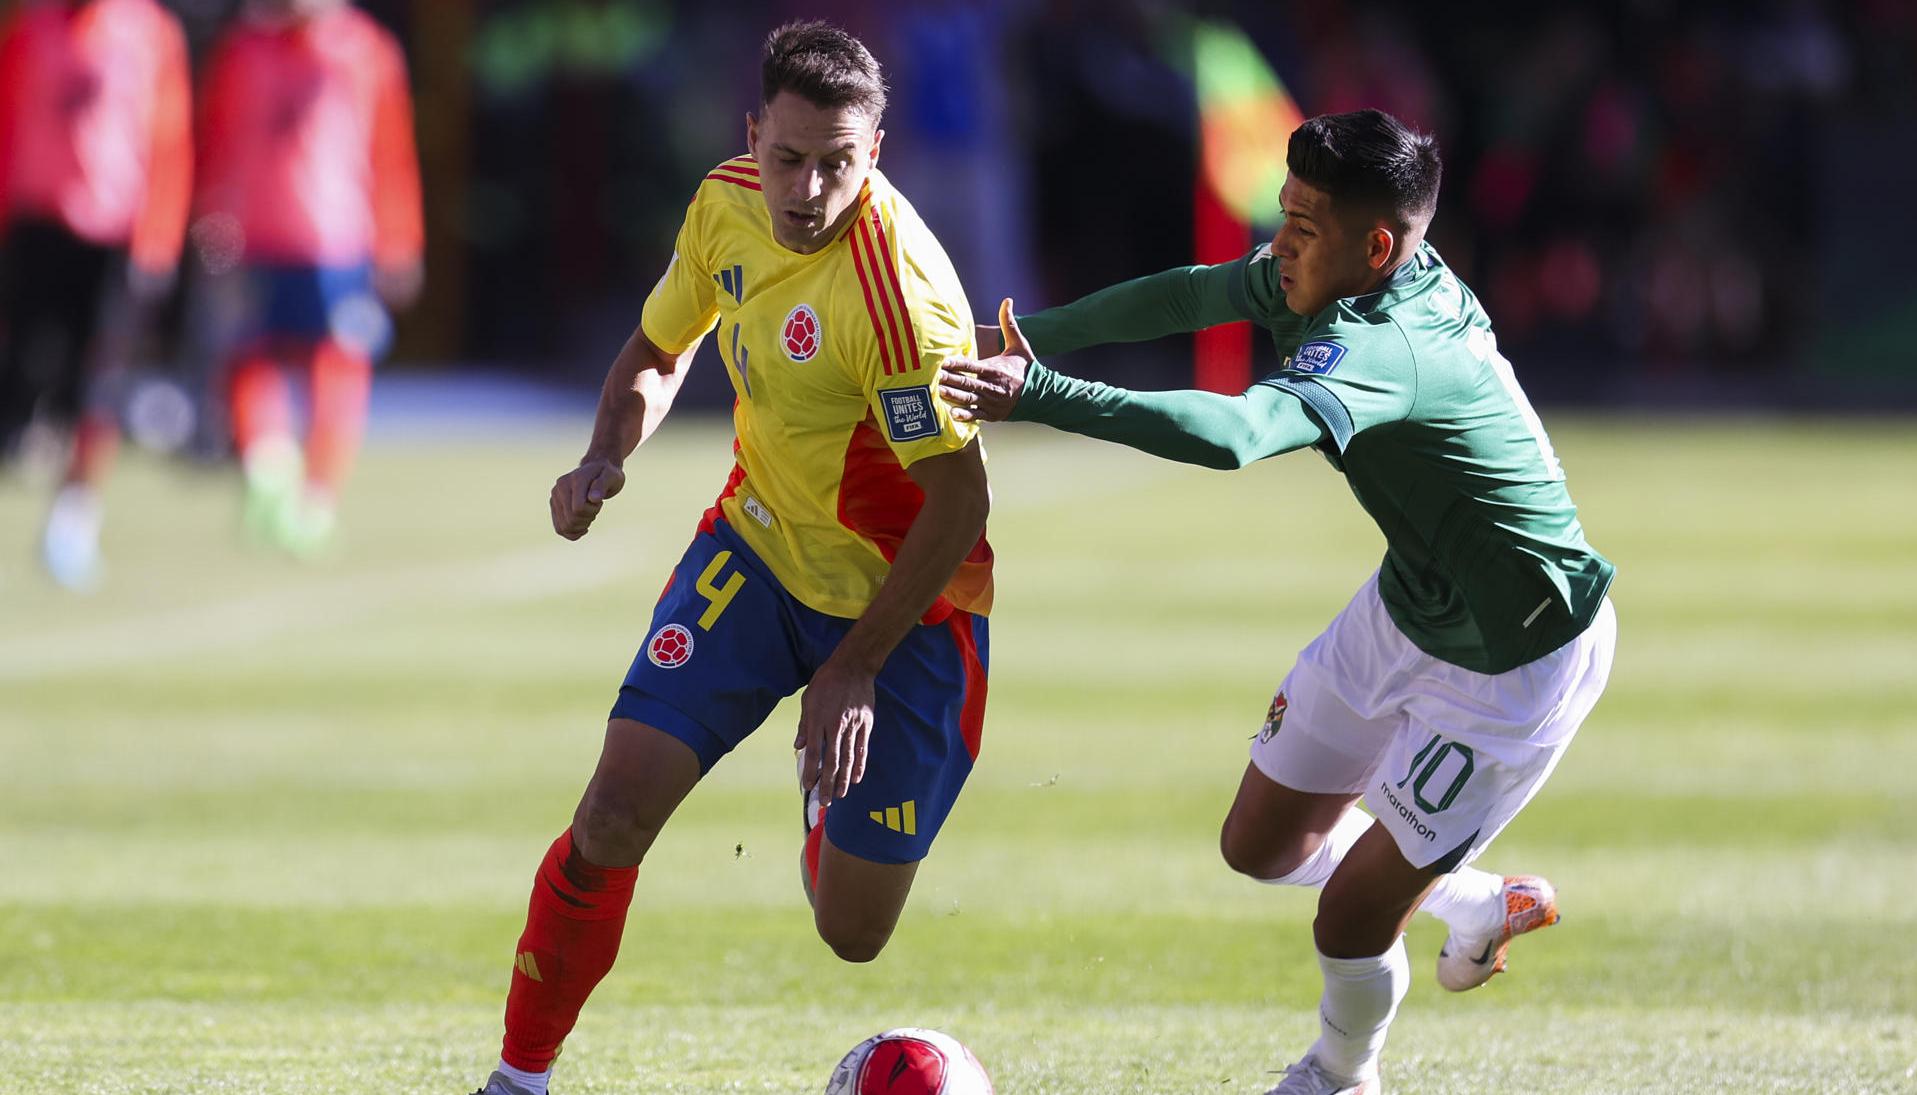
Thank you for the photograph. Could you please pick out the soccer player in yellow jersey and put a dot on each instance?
(845, 555)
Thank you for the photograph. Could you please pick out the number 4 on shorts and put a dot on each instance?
(717, 596)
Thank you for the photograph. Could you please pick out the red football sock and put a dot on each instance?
(342, 380)
(577, 914)
(256, 400)
(95, 440)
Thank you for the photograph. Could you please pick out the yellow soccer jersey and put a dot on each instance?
(833, 357)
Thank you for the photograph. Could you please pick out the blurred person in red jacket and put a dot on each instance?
(95, 175)
(309, 182)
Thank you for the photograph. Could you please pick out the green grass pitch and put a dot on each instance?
(270, 828)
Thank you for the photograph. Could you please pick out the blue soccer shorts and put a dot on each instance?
(728, 642)
(307, 302)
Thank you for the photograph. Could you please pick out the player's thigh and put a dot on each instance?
(720, 652)
(642, 775)
(928, 712)
(858, 902)
(927, 728)
(1323, 736)
(1272, 828)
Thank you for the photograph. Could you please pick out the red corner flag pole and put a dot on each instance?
(1221, 356)
(1245, 118)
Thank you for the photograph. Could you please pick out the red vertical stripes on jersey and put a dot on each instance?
(884, 249)
(871, 305)
(898, 349)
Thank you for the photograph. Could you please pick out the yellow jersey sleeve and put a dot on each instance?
(919, 318)
(684, 305)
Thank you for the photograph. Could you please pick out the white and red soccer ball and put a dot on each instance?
(909, 1061)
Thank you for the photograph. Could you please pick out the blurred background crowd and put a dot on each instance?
(1691, 204)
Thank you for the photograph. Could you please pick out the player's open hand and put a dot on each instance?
(578, 494)
(835, 728)
(986, 391)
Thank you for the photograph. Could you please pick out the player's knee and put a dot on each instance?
(856, 944)
(1254, 856)
(1348, 926)
(612, 827)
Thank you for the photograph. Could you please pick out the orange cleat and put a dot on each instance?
(1530, 903)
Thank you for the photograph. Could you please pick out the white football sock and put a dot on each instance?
(1318, 866)
(1470, 901)
(533, 1082)
(1361, 997)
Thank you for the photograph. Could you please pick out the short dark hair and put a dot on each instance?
(1371, 160)
(824, 65)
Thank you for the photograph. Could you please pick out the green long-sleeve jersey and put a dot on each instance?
(1403, 390)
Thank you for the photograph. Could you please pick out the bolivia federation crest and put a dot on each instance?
(1274, 718)
(670, 647)
(801, 334)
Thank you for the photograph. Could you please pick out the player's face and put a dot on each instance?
(1321, 255)
(812, 162)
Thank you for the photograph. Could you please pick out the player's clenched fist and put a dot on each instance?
(578, 494)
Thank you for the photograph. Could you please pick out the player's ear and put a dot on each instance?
(752, 133)
(1378, 246)
(878, 135)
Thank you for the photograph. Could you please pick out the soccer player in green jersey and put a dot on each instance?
(1447, 690)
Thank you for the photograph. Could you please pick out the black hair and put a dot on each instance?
(824, 65)
(1372, 161)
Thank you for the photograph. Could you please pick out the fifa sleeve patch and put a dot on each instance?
(908, 413)
(1316, 358)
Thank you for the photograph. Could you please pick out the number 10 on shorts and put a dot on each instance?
(1436, 755)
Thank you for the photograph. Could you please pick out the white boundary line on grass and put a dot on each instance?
(318, 602)
(524, 575)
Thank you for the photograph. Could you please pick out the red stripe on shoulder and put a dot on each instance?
(743, 165)
(871, 306)
(901, 351)
(898, 290)
(748, 183)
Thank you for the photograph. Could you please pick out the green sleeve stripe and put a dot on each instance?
(1325, 407)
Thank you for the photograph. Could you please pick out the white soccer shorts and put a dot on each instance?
(1444, 757)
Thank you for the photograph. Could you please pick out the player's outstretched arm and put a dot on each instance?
(1171, 302)
(835, 719)
(638, 391)
(1192, 427)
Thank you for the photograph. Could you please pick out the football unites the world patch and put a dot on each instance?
(908, 413)
(1316, 358)
(801, 335)
(670, 647)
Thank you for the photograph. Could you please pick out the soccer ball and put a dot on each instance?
(909, 1061)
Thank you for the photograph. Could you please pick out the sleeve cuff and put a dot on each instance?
(1039, 383)
(1324, 406)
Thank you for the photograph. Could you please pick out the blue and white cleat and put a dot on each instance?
(498, 1084)
(1308, 1077)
